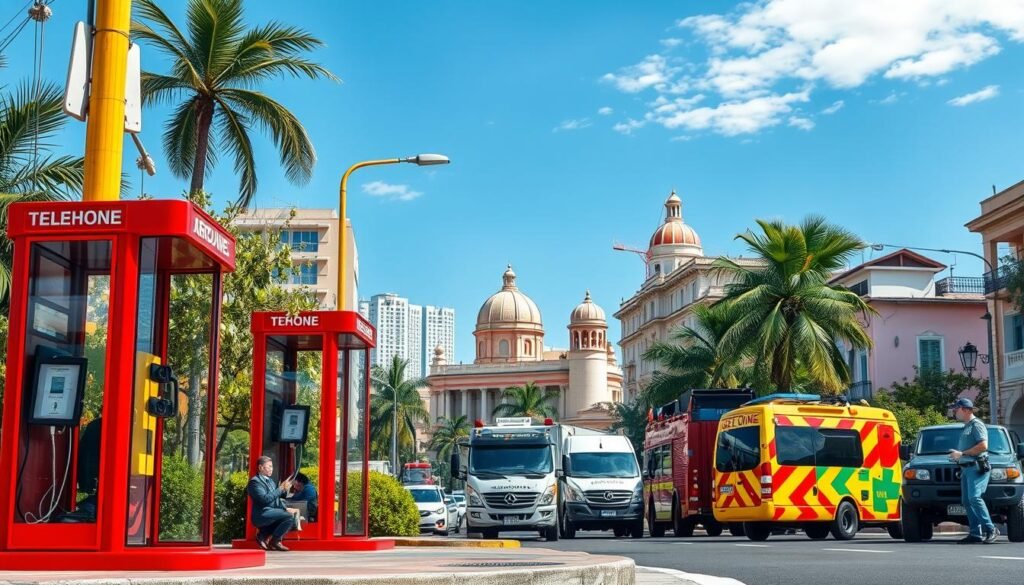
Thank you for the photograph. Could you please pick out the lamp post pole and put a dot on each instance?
(992, 404)
(421, 160)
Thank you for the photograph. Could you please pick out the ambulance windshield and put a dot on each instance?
(739, 449)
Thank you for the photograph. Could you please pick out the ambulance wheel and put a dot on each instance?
(657, 530)
(736, 528)
(1015, 523)
(713, 528)
(895, 530)
(551, 534)
(916, 527)
(637, 529)
(757, 531)
(817, 530)
(846, 524)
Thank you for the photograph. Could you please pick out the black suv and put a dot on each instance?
(931, 482)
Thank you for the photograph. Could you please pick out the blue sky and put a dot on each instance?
(568, 124)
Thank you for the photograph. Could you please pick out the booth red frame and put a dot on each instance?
(102, 545)
(329, 326)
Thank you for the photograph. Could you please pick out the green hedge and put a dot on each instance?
(392, 509)
(181, 500)
(230, 507)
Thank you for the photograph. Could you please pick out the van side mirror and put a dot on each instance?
(566, 465)
(1020, 450)
(905, 453)
(455, 464)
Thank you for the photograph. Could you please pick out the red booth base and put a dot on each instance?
(143, 559)
(336, 544)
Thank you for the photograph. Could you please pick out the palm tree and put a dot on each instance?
(527, 400)
(631, 419)
(214, 71)
(787, 315)
(387, 383)
(695, 358)
(28, 119)
(448, 435)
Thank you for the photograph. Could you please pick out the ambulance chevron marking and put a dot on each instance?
(839, 484)
(813, 421)
(846, 424)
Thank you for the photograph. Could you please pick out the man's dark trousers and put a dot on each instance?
(275, 523)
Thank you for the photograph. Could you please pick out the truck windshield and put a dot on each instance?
(944, 440)
(510, 460)
(603, 465)
(416, 476)
(738, 449)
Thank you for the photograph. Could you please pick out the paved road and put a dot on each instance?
(794, 560)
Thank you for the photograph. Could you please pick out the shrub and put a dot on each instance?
(181, 500)
(392, 509)
(230, 507)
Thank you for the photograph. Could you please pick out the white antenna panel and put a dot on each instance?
(76, 91)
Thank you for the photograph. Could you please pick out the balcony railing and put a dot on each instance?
(860, 391)
(996, 279)
(960, 285)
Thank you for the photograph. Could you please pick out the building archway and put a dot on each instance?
(1015, 422)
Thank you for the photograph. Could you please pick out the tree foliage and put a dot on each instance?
(631, 421)
(447, 436)
(528, 400)
(387, 383)
(215, 70)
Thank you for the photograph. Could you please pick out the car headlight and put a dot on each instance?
(1005, 473)
(638, 494)
(439, 511)
(918, 474)
(549, 495)
(474, 500)
(573, 495)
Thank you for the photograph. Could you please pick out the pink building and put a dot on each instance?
(921, 321)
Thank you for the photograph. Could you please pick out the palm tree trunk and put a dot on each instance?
(204, 107)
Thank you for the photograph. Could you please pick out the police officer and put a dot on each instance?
(972, 456)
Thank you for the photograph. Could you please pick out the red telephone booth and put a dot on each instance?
(110, 402)
(310, 400)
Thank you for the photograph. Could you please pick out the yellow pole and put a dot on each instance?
(343, 239)
(104, 134)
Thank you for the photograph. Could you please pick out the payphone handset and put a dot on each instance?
(165, 404)
(58, 387)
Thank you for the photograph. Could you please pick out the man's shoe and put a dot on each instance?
(970, 540)
(992, 536)
(276, 544)
(262, 541)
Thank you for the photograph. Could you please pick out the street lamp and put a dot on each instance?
(422, 160)
(993, 407)
(968, 357)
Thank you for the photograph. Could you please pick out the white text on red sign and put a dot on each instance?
(205, 232)
(295, 320)
(76, 217)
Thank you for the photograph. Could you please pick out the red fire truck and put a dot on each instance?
(417, 473)
(679, 450)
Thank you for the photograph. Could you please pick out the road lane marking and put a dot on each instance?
(1003, 558)
(693, 577)
(863, 550)
(755, 545)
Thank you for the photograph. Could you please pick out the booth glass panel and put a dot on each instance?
(354, 413)
(292, 408)
(65, 353)
(184, 480)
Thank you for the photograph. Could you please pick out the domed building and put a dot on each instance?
(510, 351)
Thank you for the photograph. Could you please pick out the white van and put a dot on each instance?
(601, 487)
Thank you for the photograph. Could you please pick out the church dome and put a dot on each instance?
(508, 308)
(587, 312)
(674, 232)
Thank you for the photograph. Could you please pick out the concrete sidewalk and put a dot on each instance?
(401, 566)
(659, 576)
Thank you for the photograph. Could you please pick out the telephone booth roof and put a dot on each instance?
(154, 217)
(354, 331)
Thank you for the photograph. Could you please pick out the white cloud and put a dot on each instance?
(654, 71)
(981, 95)
(671, 43)
(629, 126)
(765, 49)
(389, 191)
(605, 111)
(890, 99)
(801, 123)
(835, 107)
(574, 124)
(733, 117)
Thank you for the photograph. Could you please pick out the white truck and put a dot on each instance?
(511, 473)
(600, 485)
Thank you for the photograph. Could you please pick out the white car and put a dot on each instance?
(435, 515)
(460, 502)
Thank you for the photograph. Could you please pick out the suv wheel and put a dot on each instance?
(1015, 523)
(916, 527)
(846, 524)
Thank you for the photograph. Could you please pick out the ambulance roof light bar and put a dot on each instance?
(784, 397)
(513, 421)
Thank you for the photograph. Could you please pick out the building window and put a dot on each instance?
(527, 347)
(860, 289)
(1014, 333)
(301, 241)
(929, 354)
(503, 348)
